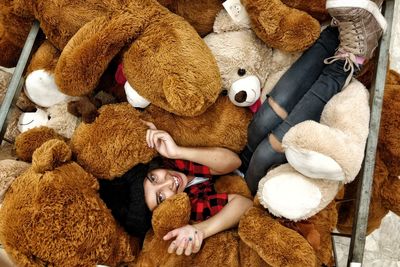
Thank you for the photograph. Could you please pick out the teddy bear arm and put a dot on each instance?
(274, 243)
(88, 53)
(171, 214)
(45, 58)
(282, 27)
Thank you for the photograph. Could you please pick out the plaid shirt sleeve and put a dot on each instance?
(205, 201)
(188, 167)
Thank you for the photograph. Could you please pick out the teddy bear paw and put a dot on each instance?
(41, 89)
(289, 195)
(314, 164)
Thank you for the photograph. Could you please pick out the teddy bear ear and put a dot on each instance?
(224, 23)
(88, 53)
(26, 143)
(50, 155)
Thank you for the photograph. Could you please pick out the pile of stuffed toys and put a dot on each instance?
(103, 66)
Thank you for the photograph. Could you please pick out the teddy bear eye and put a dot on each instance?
(241, 72)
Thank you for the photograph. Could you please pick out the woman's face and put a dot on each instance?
(161, 184)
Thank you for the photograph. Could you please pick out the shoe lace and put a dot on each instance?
(351, 44)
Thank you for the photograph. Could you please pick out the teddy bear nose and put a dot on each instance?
(241, 97)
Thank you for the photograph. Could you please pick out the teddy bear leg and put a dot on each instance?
(40, 85)
(274, 243)
(334, 148)
(287, 193)
(282, 27)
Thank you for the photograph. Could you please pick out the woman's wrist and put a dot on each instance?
(201, 227)
(182, 153)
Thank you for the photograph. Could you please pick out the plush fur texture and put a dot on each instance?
(279, 245)
(385, 194)
(223, 125)
(315, 8)
(52, 214)
(26, 143)
(176, 72)
(14, 28)
(280, 26)
(113, 143)
(9, 170)
(200, 14)
(45, 58)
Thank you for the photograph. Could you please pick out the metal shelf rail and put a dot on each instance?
(359, 229)
(358, 235)
(16, 82)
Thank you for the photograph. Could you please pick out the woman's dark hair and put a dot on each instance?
(124, 196)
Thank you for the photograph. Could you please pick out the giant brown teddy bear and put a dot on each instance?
(164, 58)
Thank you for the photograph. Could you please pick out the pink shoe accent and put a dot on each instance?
(360, 60)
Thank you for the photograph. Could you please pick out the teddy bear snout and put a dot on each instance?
(245, 92)
(241, 97)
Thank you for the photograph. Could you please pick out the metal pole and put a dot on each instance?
(357, 243)
(16, 83)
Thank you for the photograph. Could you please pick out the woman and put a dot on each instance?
(135, 195)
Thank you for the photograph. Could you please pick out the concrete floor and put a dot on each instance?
(383, 245)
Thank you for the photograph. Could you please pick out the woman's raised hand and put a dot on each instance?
(161, 141)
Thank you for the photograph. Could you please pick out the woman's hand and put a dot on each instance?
(188, 239)
(161, 141)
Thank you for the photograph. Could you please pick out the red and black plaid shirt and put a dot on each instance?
(205, 201)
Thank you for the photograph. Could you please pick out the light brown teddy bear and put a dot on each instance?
(176, 72)
(53, 215)
(385, 194)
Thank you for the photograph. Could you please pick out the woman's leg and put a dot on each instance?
(330, 82)
(289, 90)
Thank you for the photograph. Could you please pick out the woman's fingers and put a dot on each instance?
(196, 243)
(189, 248)
(172, 247)
(182, 246)
(149, 124)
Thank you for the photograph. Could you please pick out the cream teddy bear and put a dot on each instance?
(245, 62)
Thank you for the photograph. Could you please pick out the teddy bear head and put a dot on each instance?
(242, 58)
(55, 117)
(52, 214)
